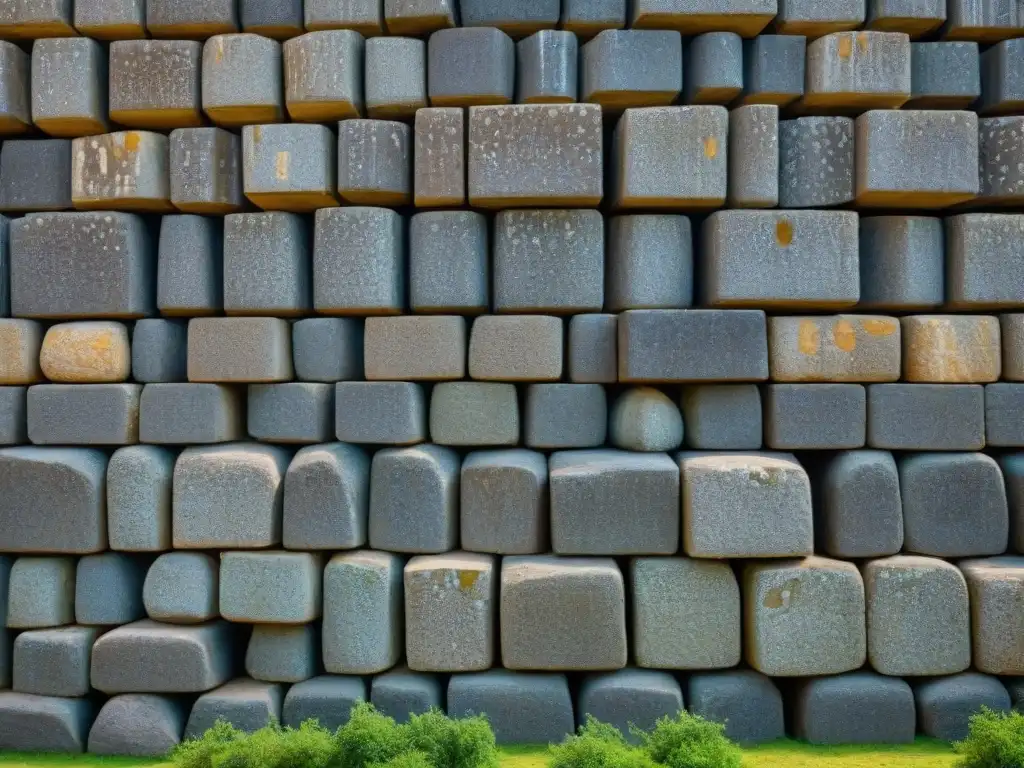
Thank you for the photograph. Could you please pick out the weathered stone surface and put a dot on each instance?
(53, 662)
(439, 169)
(396, 77)
(243, 702)
(327, 349)
(547, 68)
(629, 698)
(323, 76)
(279, 19)
(944, 75)
(127, 170)
(902, 263)
(474, 414)
(289, 166)
(1004, 417)
(1012, 342)
(242, 81)
(108, 588)
(35, 175)
(951, 349)
(294, 412)
(363, 16)
(983, 250)
(180, 414)
(645, 419)
(815, 162)
(623, 68)
(915, 17)
(449, 260)
(138, 725)
(266, 255)
(13, 415)
(239, 349)
(592, 349)
(88, 352)
(859, 513)
(327, 699)
(945, 704)
(283, 653)
(1000, 152)
(566, 416)
(380, 412)
(111, 19)
(34, 723)
(419, 17)
(189, 263)
(586, 18)
(154, 84)
(326, 498)
(926, 417)
(722, 416)
(413, 348)
(15, 90)
(159, 351)
(857, 71)
(20, 343)
(773, 69)
(520, 19)
(516, 348)
(841, 348)
(69, 88)
(524, 707)
(1002, 90)
(561, 614)
(183, 588)
(197, 19)
(375, 162)
(885, 708)
(41, 593)
(504, 502)
(745, 17)
(814, 416)
(83, 414)
(470, 66)
(996, 586)
(973, 20)
(815, 18)
(754, 156)
(650, 263)
(714, 68)
(747, 702)
(270, 587)
(399, 693)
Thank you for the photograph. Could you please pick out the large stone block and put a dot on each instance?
(439, 160)
(859, 512)
(815, 162)
(69, 88)
(380, 412)
(127, 170)
(714, 68)
(884, 706)
(745, 17)
(412, 348)
(985, 22)
(289, 166)
(197, 19)
(754, 156)
(270, 587)
(41, 593)
(567, 416)
(926, 417)
(159, 351)
(20, 343)
(396, 77)
(90, 352)
(35, 175)
(915, 17)
(243, 702)
(629, 698)
(449, 262)
(327, 699)
(53, 662)
(295, 412)
(189, 273)
(206, 170)
(266, 261)
(279, 19)
(996, 588)
(516, 348)
(154, 84)
(400, 693)
(773, 69)
(470, 413)
(547, 68)
(470, 66)
(983, 251)
(111, 19)
(504, 502)
(902, 263)
(419, 17)
(722, 417)
(747, 702)
(622, 68)
(239, 349)
(138, 725)
(857, 71)
(179, 414)
(375, 162)
(814, 416)
(946, 704)
(326, 498)
(650, 263)
(183, 588)
(586, 18)
(592, 349)
(327, 349)
(814, 18)
(242, 80)
(323, 75)
(15, 90)
(83, 414)
(944, 75)
(283, 653)
(951, 349)
(524, 707)
(363, 16)
(108, 588)
(34, 723)
(523, 18)
(1004, 416)
(841, 348)
(645, 419)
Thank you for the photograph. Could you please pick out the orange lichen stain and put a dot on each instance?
(281, 166)
(218, 55)
(845, 46)
(808, 340)
(257, 134)
(102, 342)
(132, 141)
(710, 147)
(783, 232)
(862, 42)
(879, 327)
(467, 579)
(782, 597)
(844, 335)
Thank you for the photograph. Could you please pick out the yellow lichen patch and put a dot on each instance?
(845, 47)
(218, 54)
(467, 579)
(808, 338)
(132, 141)
(844, 336)
(281, 166)
(257, 134)
(93, 352)
(783, 232)
(862, 42)
(710, 147)
(879, 327)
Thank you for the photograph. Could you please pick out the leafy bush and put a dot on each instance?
(201, 752)
(370, 738)
(414, 759)
(995, 740)
(461, 743)
(690, 741)
(224, 746)
(598, 745)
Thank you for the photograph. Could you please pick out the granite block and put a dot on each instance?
(902, 263)
(592, 350)
(469, 413)
(926, 417)
(629, 698)
(239, 350)
(159, 351)
(380, 412)
(245, 703)
(412, 348)
(396, 77)
(327, 699)
(194, 19)
(773, 69)
(815, 416)
(363, 16)
(504, 502)
(470, 66)
(289, 166)
(270, 587)
(722, 416)
(190, 264)
(323, 76)
(41, 593)
(327, 349)
(181, 414)
(54, 724)
(90, 352)
(69, 87)
(857, 70)
(449, 262)
(565, 416)
(995, 587)
(242, 80)
(623, 68)
(516, 348)
(83, 414)
(154, 84)
(127, 170)
(714, 68)
(745, 17)
(837, 348)
(326, 498)
(650, 262)
(183, 588)
(754, 156)
(375, 162)
(885, 708)
(816, 162)
(138, 725)
(283, 653)
(292, 412)
(860, 512)
(35, 175)
(747, 702)
(439, 164)
(111, 20)
(944, 75)
(983, 251)
(547, 68)
(525, 707)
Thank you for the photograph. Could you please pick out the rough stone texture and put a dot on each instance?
(270, 587)
(516, 348)
(293, 412)
(474, 414)
(547, 68)
(155, 83)
(396, 77)
(414, 348)
(561, 614)
(34, 723)
(917, 616)
(996, 587)
(747, 702)
(108, 589)
(69, 88)
(190, 264)
(399, 693)
(323, 76)
(326, 498)
(951, 349)
(586, 18)
(127, 170)
(906, 417)
(504, 502)
(645, 419)
(191, 18)
(111, 19)
(1002, 88)
(884, 706)
(592, 349)
(239, 349)
(1013, 473)
(244, 703)
(1004, 426)
(650, 263)
(714, 68)
(380, 412)
(15, 93)
(470, 66)
(53, 662)
(745, 17)
(1012, 341)
(242, 81)
(182, 414)
(363, 619)
(327, 349)
(754, 156)
(944, 75)
(815, 18)
(623, 68)
(685, 613)
(20, 343)
(815, 162)
(902, 263)
(419, 17)
(840, 348)
(945, 705)
(279, 19)
(363, 16)
(523, 18)
(607, 502)
(629, 698)
(183, 588)
(915, 17)
(859, 512)
(41, 592)
(985, 22)
(283, 653)
(13, 415)
(745, 505)
(375, 162)
(439, 165)
(228, 496)
(35, 175)
(722, 417)
(1000, 150)
(138, 725)
(83, 414)
(814, 416)
(159, 351)
(449, 260)
(523, 707)
(289, 167)
(773, 69)
(857, 71)
(414, 497)
(566, 416)
(954, 505)
(90, 352)
(328, 699)
(266, 258)
(983, 251)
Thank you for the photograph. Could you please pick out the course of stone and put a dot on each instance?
(528, 357)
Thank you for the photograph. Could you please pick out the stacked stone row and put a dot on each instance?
(535, 359)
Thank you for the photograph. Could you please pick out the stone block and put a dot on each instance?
(323, 76)
(183, 588)
(289, 166)
(954, 505)
(885, 708)
(159, 351)
(439, 165)
(592, 349)
(108, 589)
(645, 419)
(54, 499)
(951, 349)
(629, 698)
(561, 614)
(54, 724)
(327, 699)
(138, 725)
(205, 170)
(902, 263)
(327, 349)
(414, 348)
(1004, 415)
(754, 156)
(1012, 465)
(854, 71)
(294, 412)
(127, 170)
(180, 414)
(363, 614)
(13, 416)
(69, 88)
(375, 162)
(781, 259)
(189, 273)
(698, 340)
(239, 350)
(926, 417)
(566, 416)
(814, 18)
(228, 496)
(1012, 342)
(504, 502)
(747, 702)
(650, 262)
(198, 19)
(773, 69)
(814, 416)
(419, 17)
(326, 498)
(996, 586)
(53, 662)
(41, 593)
(449, 260)
(414, 499)
(859, 512)
(288, 653)
(838, 348)
(670, 158)
(915, 17)
(815, 162)
(273, 18)
(586, 18)
(245, 703)
(358, 261)
(946, 704)
(547, 68)
(363, 16)
(523, 18)
(722, 416)
(380, 412)
(623, 68)
(984, 22)
(1002, 86)
(242, 80)
(90, 352)
(400, 693)
(944, 75)
(20, 343)
(154, 84)
(745, 17)
(1000, 152)
(516, 348)
(469, 413)
(83, 414)
(450, 611)
(15, 84)
(396, 77)
(714, 68)
(686, 613)
(524, 707)
(608, 502)
(35, 175)
(270, 587)
(470, 66)
(111, 20)
(982, 254)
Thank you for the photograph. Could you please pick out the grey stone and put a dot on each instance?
(1012, 342)
(126, 170)
(773, 69)
(180, 414)
(857, 70)
(375, 162)
(926, 417)
(608, 502)
(566, 416)
(823, 710)
(516, 348)
(69, 87)
(35, 175)
(83, 414)
(1000, 156)
(670, 158)
(419, 17)
(380, 412)
(836, 348)
(53, 499)
(450, 612)
(414, 499)
(363, 618)
(150, 657)
(547, 68)
(273, 18)
(804, 617)
(189, 272)
(228, 496)
(6, 635)
(326, 498)
(815, 162)
(745, 17)
(995, 586)
(294, 412)
(323, 76)
(722, 417)
(289, 166)
(413, 348)
(946, 704)
(154, 84)
(859, 510)
(645, 419)
(206, 170)
(396, 77)
(650, 262)
(33, 723)
(623, 68)
(191, 18)
(326, 699)
(363, 16)
(815, 416)
(108, 588)
(524, 707)
(629, 698)
(706, 345)
(53, 662)
(239, 350)
(561, 613)
(747, 702)
(243, 702)
(183, 588)
(13, 417)
(714, 68)
(915, 17)
(944, 75)
(439, 161)
(64, 252)
(270, 587)
(685, 613)
(1004, 409)
(781, 259)
(358, 255)
(504, 502)
(592, 349)
(754, 156)
(954, 505)
(745, 505)
(901, 262)
(242, 80)
(1012, 465)
(15, 84)
(400, 693)
(449, 261)
(138, 725)
(1002, 86)
(523, 18)
(815, 18)
(111, 19)
(41, 593)
(586, 18)
(982, 251)
(918, 620)
(159, 351)
(327, 349)
(283, 653)
(982, 21)
(469, 413)
(266, 262)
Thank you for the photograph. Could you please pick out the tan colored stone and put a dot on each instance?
(834, 348)
(124, 171)
(86, 353)
(19, 351)
(951, 349)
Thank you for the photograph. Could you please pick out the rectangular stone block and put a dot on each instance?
(363, 16)
(414, 348)
(1002, 86)
(566, 416)
(745, 17)
(722, 416)
(983, 256)
(504, 502)
(815, 416)
(623, 68)
(111, 19)
(860, 513)
(887, 702)
(35, 175)
(547, 68)
(592, 349)
(326, 495)
(396, 77)
(995, 585)
(279, 19)
(525, 707)
(266, 262)
(1004, 415)
(327, 349)
(449, 262)
(183, 587)
(283, 653)
(289, 167)
(89, 352)
(380, 412)
(951, 349)
(1012, 342)
(193, 19)
(586, 18)
(53, 662)
(987, 22)
(15, 93)
(816, 160)
(926, 417)
(650, 262)
(858, 71)
(419, 17)
(840, 348)
(469, 413)
(516, 348)
(470, 66)
(13, 416)
(902, 263)
(20, 343)
(239, 349)
(45, 722)
(126, 171)
(154, 84)
(83, 414)
(242, 80)
(270, 587)
(400, 693)
(1000, 161)
(294, 412)
(139, 498)
(439, 174)
(375, 162)
(944, 75)
(205, 170)
(323, 76)
(108, 588)
(189, 272)
(41, 593)
(815, 18)
(773, 69)
(915, 17)
(159, 351)
(754, 156)
(69, 87)
(523, 18)
(714, 68)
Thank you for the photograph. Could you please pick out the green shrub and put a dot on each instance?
(598, 745)
(995, 740)
(454, 743)
(414, 759)
(690, 741)
(369, 737)
(201, 752)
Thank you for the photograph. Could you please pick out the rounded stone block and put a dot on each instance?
(326, 498)
(108, 588)
(546, 68)
(53, 662)
(951, 349)
(946, 704)
(180, 413)
(246, 704)
(375, 162)
(504, 503)
(858, 70)
(470, 66)
(154, 84)
(622, 69)
(36, 723)
(123, 171)
(396, 77)
(380, 412)
(90, 352)
(722, 416)
(323, 76)
(111, 19)
(524, 707)
(327, 349)
(884, 706)
(629, 698)
(419, 17)
(292, 412)
(645, 419)
(242, 80)
(902, 262)
(364, 16)
(327, 699)
(138, 725)
(206, 173)
(83, 414)
(182, 588)
(41, 592)
(747, 702)
(289, 167)
(283, 653)
(566, 416)
(20, 343)
(400, 693)
(69, 87)
(412, 348)
(270, 587)
(996, 588)
(193, 19)
(159, 351)
(439, 179)
(860, 511)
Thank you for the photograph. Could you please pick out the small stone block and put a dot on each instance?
(270, 587)
(815, 18)
(624, 68)
(747, 702)
(815, 162)
(629, 698)
(744, 17)
(35, 175)
(504, 502)
(840, 348)
(83, 414)
(327, 349)
(69, 87)
(90, 352)
(323, 76)
(902, 263)
(439, 174)
(525, 707)
(773, 69)
(885, 708)
(283, 653)
(547, 72)
(279, 19)
(125, 171)
(13, 415)
(470, 66)
(414, 348)
(20, 343)
(34, 723)
(926, 417)
(996, 586)
(650, 262)
(592, 349)
(714, 68)
(189, 274)
(951, 349)
(419, 17)
(326, 699)
(242, 80)
(396, 77)
(915, 17)
(858, 71)
(374, 162)
(289, 166)
(1004, 415)
(266, 263)
(722, 417)
(399, 693)
(815, 416)
(754, 156)
(469, 413)
(159, 351)
(108, 589)
(1000, 160)
(186, 414)
(944, 75)
(516, 348)
(154, 84)
(380, 412)
(449, 261)
(586, 18)
(239, 349)
(860, 513)
(111, 20)
(1002, 87)
(363, 16)
(193, 19)
(293, 412)
(41, 593)
(523, 18)
(1012, 341)
(983, 251)
(326, 498)
(138, 725)
(183, 588)
(645, 419)
(946, 704)
(566, 416)
(245, 703)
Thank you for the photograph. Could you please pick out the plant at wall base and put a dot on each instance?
(690, 741)
(369, 738)
(201, 752)
(995, 740)
(453, 743)
(598, 745)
